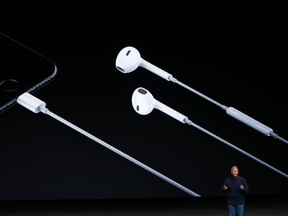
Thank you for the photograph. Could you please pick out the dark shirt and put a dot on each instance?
(235, 196)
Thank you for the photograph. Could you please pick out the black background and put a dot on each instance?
(239, 61)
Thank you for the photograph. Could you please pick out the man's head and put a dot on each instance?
(234, 171)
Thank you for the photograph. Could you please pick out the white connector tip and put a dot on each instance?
(30, 102)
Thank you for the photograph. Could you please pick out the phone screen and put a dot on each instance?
(21, 70)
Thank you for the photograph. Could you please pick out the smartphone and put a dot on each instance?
(21, 70)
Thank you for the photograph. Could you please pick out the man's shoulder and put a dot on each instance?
(241, 177)
(228, 178)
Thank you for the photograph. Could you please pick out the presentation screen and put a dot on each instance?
(210, 93)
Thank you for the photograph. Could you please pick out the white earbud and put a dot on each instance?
(129, 59)
(143, 103)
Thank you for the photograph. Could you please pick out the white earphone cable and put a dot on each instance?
(34, 104)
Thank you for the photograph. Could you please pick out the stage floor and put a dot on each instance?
(255, 206)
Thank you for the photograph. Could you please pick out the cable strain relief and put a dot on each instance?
(274, 135)
(187, 121)
(43, 109)
(172, 79)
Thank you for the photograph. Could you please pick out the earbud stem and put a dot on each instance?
(173, 113)
(147, 65)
